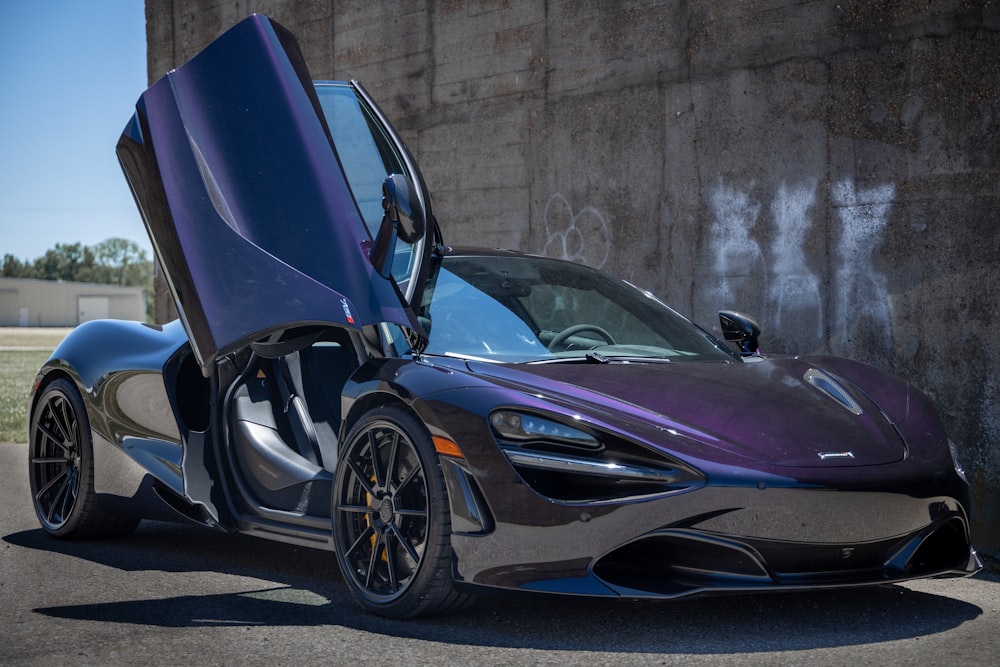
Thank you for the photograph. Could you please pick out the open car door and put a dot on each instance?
(263, 195)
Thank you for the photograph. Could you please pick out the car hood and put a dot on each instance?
(784, 412)
(245, 200)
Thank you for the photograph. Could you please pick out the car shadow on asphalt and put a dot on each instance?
(303, 588)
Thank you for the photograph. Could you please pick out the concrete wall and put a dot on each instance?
(52, 303)
(830, 167)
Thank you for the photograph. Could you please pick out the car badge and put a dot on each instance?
(835, 455)
(347, 311)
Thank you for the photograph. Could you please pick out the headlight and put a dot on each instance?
(566, 463)
(524, 426)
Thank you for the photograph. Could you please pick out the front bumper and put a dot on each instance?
(724, 540)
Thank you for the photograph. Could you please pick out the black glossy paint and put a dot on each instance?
(793, 481)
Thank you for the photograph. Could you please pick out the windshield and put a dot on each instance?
(532, 309)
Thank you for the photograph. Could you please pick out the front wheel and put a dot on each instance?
(391, 521)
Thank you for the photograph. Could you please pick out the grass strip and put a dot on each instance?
(17, 372)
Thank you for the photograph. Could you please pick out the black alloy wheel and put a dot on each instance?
(391, 520)
(61, 468)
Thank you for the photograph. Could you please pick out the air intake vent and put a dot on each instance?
(831, 388)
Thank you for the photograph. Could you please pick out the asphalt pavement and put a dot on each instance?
(181, 594)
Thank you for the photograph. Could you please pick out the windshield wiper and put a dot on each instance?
(593, 357)
(640, 360)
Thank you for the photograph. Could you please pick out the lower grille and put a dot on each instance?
(675, 562)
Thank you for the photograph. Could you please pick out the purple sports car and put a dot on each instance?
(449, 420)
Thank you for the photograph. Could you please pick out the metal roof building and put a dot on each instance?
(56, 303)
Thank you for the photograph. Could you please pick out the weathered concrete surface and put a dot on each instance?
(830, 167)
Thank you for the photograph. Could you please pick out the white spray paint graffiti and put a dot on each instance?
(734, 215)
(861, 301)
(861, 291)
(860, 304)
(792, 289)
(581, 237)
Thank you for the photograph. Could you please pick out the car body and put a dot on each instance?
(446, 420)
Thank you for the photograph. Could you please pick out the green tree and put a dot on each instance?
(15, 268)
(67, 261)
(122, 262)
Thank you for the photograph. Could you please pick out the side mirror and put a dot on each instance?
(740, 329)
(402, 218)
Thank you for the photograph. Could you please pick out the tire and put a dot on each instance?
(391, 519)
(61, 469)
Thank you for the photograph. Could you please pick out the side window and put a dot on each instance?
(365, 165)
(367, 156)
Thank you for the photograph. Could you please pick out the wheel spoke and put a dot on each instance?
(51, 414)
(390, 561)
(356, 509)
(373, 561)
(409, 477)
(402, 511)
(60, 501)
(376, 462)
(410, 551)
(51, 459)
(64, 420)
(56, 479)
(390, 471)
(364, 538)
(57, 441)
(362, 478)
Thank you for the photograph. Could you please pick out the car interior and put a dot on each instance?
(285, 414)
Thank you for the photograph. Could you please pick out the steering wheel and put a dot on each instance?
(563, 335)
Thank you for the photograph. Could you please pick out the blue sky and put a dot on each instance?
(70, 73)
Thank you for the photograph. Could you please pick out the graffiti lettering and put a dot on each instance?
(861, 302)
(793, 290)
(734, 215)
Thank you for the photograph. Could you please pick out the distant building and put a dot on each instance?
(56, 303)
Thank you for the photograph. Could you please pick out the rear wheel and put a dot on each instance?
(391, 521)
(61, 468)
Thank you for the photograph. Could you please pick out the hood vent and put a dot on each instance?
(831, 388)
